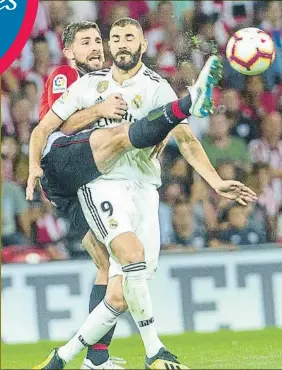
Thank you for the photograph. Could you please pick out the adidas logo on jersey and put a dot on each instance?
(99, 100)
(152, 75)
(100, 72)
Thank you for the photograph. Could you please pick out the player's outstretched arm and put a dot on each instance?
(113, 107)
(37, 143)
(193, 152)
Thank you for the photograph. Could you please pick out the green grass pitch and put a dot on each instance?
(222, 350)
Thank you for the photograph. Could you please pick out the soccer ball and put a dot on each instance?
(250, 51)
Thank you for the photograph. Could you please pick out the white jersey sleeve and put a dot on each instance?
(73, 99)
(164, 94)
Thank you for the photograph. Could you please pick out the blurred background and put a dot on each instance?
(220, 262)
(243, 140)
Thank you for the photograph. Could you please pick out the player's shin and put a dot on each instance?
(98, 353)
(138, 298)
(97, 324)
(155, 127)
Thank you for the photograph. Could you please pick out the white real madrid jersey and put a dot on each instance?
(143, 93)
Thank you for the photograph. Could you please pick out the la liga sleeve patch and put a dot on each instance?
(17, 18)
(60, 84)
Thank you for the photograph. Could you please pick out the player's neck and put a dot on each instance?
(120, 76)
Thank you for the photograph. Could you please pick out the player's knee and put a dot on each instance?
(107, 147)
(114, 294)
(102, 277)
(102, 264)
(122, 141)
(116, 300)
(136, 255)
(128, 249)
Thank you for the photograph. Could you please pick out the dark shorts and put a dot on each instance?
(73, 212)
(67, 167)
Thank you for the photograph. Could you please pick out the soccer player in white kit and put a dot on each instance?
(121, 206)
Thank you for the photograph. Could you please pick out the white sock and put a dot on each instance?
(138, 298)
(97, 324)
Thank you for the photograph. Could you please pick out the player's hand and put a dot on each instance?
(34, 174)
(113, 107)
(237, 191)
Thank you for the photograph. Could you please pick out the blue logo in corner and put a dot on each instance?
(17, 18)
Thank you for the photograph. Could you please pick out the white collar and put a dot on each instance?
(131, 80)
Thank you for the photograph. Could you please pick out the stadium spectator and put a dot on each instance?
(185, 231)
(7, 121)
(268, 149)
(260, 181)
(11, 77)
(49, 230)
(137, 9)
(183, 12)
(15, 211)
(240, 125)
(29, 89)
(259, 221)
(60, 13)
(257, 102)
(233, 15)
(21, 108)
(42, 20)
(42, 64)
(163, 31)
(202, 208)
(220, 145)
(116, 11)
(227, 170)
(171, 192)
(9, 153)
(83, 11)
(237, 232)
(272, 24)
(179, 170)
(205, 36)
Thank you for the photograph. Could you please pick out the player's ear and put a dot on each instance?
(68, 53)
(144, 46)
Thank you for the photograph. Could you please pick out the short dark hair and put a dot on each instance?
(25, 83)
(39, 39)
(260, 166)
(73, 28)
(181, 202)
(163, 2)
(122, 22)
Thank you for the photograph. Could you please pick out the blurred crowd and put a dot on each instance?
(243, 139)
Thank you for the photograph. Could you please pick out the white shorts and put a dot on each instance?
(114, 207)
